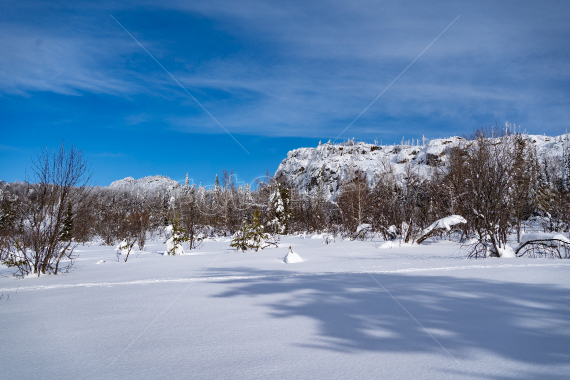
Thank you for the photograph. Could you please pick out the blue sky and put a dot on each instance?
(276, 74)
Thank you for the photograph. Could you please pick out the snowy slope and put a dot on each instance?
(335, 162)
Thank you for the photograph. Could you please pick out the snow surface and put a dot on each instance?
(348, 311)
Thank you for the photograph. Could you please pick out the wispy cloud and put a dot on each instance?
(60, 64)
(301, 68)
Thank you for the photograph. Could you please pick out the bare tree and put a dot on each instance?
(355, 201)
(42, 240)
(482, 174)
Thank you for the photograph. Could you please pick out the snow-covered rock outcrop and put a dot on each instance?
(155, 183)
(331, 164)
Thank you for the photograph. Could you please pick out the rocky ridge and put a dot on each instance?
(332, 164)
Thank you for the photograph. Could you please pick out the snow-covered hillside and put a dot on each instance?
(333, 163)
(147, 184)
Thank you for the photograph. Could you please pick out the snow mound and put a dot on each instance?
(123, 247)
(292, 258)
(507, 252)
(394, 244)
(173, 248)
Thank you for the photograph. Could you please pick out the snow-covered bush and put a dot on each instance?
(552, 245)
(441, 225)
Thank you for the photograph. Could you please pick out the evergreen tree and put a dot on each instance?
(67, 229)
(241, 237)
(566, 164)
(257, 235)
(280, 201)
(177, 237)
(217, 186)
(251, 236)
(7, 213)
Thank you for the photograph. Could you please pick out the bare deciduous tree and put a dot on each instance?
(41, 241)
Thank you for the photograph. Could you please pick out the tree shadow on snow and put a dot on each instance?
(523, 322)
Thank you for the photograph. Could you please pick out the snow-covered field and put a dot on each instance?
(350, 310)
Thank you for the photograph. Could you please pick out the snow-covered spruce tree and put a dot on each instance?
(545, 194)
(230, 203)
(525, 172)
(566, 163)
(216, 205)
(258, 238)
(241, 238)
(67, 229)
(280, 206)
(7, 215)
(186, 182)
(66, 235)
(251, 236)
(9, 231)
(177, 237)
